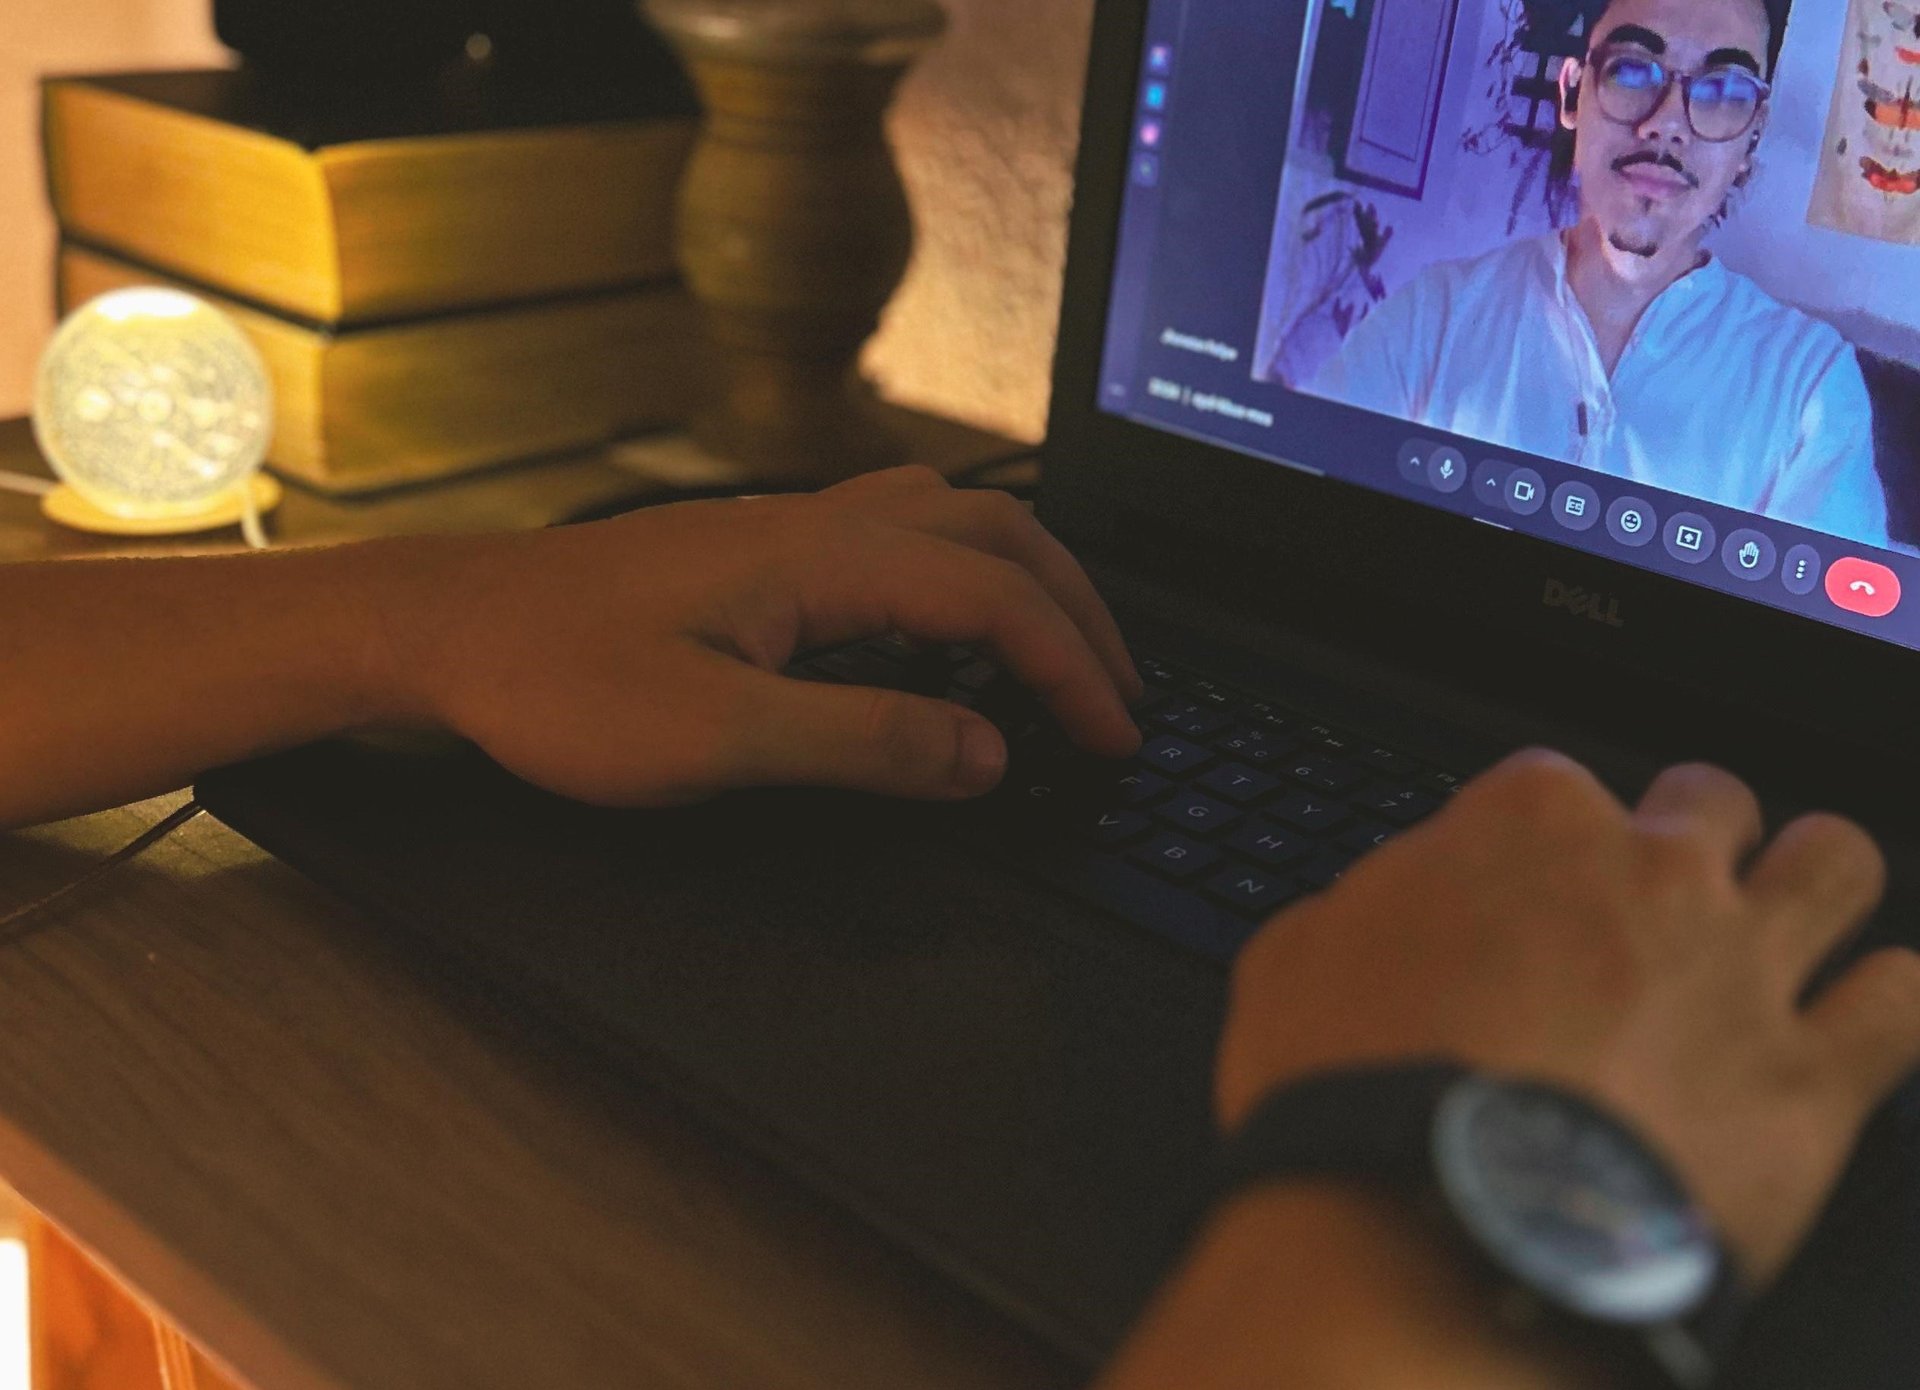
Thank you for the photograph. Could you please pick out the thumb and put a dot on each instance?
(1871, 1019)
(860, 738)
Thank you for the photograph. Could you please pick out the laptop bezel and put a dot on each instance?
(1280, 538)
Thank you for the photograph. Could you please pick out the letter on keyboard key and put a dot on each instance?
(1175, 755)
(1196, 814)
(1309, 813)
(1268, 843)
(1237, 784)
(1175, 857)
(1252, 892)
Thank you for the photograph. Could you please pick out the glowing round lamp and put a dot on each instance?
(154, 411)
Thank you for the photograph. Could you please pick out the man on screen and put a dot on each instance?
(1621, 345)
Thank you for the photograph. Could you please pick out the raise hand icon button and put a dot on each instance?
(1862, 587)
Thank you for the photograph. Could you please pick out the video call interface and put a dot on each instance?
(1636, 276)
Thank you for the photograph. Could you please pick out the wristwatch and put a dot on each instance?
(1560, 1202)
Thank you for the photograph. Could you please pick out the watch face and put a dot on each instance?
(1570, 1202)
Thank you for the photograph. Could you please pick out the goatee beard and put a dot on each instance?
(1646, 250)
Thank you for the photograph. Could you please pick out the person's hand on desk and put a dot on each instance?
(1652, 960)
(632, 661)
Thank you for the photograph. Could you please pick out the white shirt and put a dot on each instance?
(1723, 393)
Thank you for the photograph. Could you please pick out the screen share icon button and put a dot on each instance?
(1689, 538)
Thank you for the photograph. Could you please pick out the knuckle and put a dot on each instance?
(1681, 855)
(1545, 787)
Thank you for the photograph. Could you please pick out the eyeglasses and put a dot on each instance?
(1721, 103)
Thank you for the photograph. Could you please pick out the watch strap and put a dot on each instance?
(1367, 1121)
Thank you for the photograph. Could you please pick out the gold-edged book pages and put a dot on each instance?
(178, 171)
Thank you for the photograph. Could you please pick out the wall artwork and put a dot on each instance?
(1869, 179)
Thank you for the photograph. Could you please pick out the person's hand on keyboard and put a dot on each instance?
(637, 661)
(1655, 960)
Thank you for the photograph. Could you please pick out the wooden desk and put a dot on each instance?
(226, 1087)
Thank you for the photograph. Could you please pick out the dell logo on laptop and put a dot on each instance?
(1583, 603)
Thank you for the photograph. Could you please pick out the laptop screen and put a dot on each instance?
(1636, 276)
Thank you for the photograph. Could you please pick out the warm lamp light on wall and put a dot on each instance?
(154, 411)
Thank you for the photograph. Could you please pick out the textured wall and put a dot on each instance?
(42, 36)
(987, 128)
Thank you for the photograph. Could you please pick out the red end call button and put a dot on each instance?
(1862, 587)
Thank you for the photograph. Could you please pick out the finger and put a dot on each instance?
(1870, 1018)
(994, 522)
(895, 579)
(1708, 804)
(1818, 880)
(1541, 785)
(858, 738)
(863, 490)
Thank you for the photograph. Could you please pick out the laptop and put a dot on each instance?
(987, 1029)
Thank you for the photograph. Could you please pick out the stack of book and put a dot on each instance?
(437, 281)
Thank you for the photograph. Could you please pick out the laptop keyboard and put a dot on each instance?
(1236, 805)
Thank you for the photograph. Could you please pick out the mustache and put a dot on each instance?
(1658, 159)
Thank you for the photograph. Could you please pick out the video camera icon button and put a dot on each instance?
(1861, 586)
(1690, 538)
(1632, 521)
(1749, 555)
(1526, 492)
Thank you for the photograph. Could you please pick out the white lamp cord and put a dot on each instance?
(21, 482)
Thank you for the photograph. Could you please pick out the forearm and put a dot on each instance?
(1321, 1287)
(123, 678)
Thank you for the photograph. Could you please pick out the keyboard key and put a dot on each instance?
(1151, 698)
(1139, 788)
(1269, 715)
(1365, 837)
(1442, 783)
(1252, 892)
(1309, 813)
(1191, 719)
(1169, 754)
(855, 666)
(1196, 814)
(975, 674)
(1326, 867)
(1240, 785)
(1118, 827)
(1175, 857)
(1267, 843)
(1407, 809)
(1322, 774)
(1387, 761)
(1330, 738)
(1214, 695)
(1152, 668)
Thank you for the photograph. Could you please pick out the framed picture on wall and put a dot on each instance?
(1396, 114)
